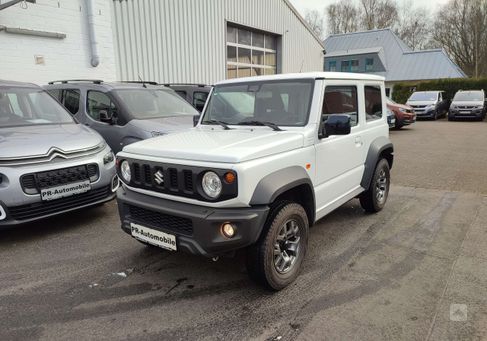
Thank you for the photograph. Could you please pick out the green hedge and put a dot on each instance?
(402, 91)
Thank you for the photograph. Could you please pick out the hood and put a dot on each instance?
(468, 103)
(423, 103)
(226, 146)
(164, 124)
(17, 142)
(399, 106)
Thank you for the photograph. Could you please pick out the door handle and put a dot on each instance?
(358, 141)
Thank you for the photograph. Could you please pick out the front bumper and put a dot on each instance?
(197, 228)
(406, 121)
(475, 113)
(18, 206)
(425, 114)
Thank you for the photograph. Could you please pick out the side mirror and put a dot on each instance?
(106, 116)
(336, 125)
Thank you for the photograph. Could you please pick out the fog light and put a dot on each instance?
(228, 230)
(115, 183)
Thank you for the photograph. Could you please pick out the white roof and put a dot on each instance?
(305, 75)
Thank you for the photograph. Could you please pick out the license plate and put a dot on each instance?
(154, 237)
(464, 112)
(63, 191)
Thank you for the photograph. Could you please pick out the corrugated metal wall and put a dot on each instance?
(185, 40)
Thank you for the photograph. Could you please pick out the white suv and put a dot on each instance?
(270, 156)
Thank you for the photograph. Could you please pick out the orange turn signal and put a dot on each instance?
(308, 165)
(229, 177)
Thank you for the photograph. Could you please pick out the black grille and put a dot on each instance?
(32, 183)
(176, 179)
(188, 180)
(92, 171)
(44, 208)
(160, 221)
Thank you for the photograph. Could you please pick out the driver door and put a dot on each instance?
(339, 159)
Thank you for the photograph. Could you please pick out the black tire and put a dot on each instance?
(374, 199)
(435, 116)
(268, 254)
(451, 118)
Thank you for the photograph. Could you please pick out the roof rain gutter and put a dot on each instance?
(90, 9)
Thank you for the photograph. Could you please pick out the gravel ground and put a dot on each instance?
(406, 273)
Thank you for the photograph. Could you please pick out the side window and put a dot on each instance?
(181, 93)
(341, 100)
(199, 100)
(15, 105)
(373, 102)
(55, 93)
(440, 97)
(98, 101)
(71, 100)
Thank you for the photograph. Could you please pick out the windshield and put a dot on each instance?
(424, 96)
(30, 106)
(153, 103)
(469, 96)
(285, 103)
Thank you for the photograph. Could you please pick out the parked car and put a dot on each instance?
(391, 119)
(124, 112)
(49, 164)
(194, 94)
(429, 104)
(404, 114)
(468, 104)
(264, 163)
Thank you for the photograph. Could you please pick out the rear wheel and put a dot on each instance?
(276, 259)
(374, 199)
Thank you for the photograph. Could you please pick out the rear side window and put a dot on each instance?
(341, 100)
(55, 93)
(181, 93)
(71, 100)
(98, 101)
(199, 100)
(373, 102)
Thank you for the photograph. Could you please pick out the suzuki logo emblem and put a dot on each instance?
(159, 177)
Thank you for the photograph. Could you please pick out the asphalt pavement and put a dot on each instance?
(415, 271)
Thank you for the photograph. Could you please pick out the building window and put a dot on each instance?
(345, 66)
(250, 52)
(354, 65)
(332, 66)
(369, 64)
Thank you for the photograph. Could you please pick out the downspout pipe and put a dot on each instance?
(90, 13)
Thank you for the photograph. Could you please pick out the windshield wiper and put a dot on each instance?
(274, 126)
(223, 124)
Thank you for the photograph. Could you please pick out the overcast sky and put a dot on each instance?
(303, 5)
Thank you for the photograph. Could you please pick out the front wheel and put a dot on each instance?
(374, 199)
(276, 259)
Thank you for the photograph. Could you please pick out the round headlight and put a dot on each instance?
(125, 171)
(212, 185)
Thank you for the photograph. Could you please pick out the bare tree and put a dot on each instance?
(316, 21)
(461, 28)
(411, 26)
(342, 17)
(379, 13)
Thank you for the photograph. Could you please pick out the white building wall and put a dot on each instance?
(66, 58)
(185, 40)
